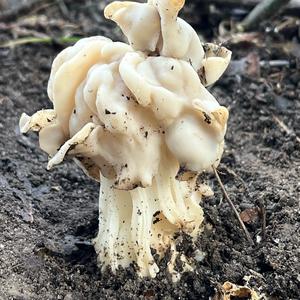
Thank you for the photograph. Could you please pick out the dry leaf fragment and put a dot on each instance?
(250, 215)
(232, 291)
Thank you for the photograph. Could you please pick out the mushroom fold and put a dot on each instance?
(138, 118)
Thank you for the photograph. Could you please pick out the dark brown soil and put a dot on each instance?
(47, 219)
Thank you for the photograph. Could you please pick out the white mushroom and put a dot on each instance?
(139, 119)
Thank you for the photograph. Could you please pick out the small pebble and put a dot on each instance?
(258, 239)
(199, 255)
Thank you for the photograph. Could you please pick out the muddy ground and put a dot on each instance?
(47, 219)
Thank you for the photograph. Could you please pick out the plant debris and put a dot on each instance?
(230, 291)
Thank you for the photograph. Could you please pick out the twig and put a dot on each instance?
(37, 40)
(274, 63)
(285, 128)
(233, 173)
(263, 220)
(233, 207)
(262, 11)
(22, 9)
(292, 8)
(63, 8)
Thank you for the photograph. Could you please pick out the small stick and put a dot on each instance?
(263, 220)
(285, 128)
(292, 8)
(274, 63)
(21, 10)
(233, 207)
(64, 9)
(262, 11)
(38, 40)
(235, 175)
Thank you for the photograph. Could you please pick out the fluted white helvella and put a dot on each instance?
(138, 118)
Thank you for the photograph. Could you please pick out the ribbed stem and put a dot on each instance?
(133, 222)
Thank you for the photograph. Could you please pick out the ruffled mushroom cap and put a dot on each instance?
(181, 104)
(132, 18)
(154, 26)
(108, 130)
(132, 101)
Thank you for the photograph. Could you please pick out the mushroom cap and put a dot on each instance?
(139, 22)
(216, 61)
(116, 105)
(155, 27)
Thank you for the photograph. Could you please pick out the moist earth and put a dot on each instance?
(47, 219)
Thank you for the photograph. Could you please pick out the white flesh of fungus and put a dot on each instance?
(139, 119)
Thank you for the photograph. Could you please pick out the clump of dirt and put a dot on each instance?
(47, 219)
